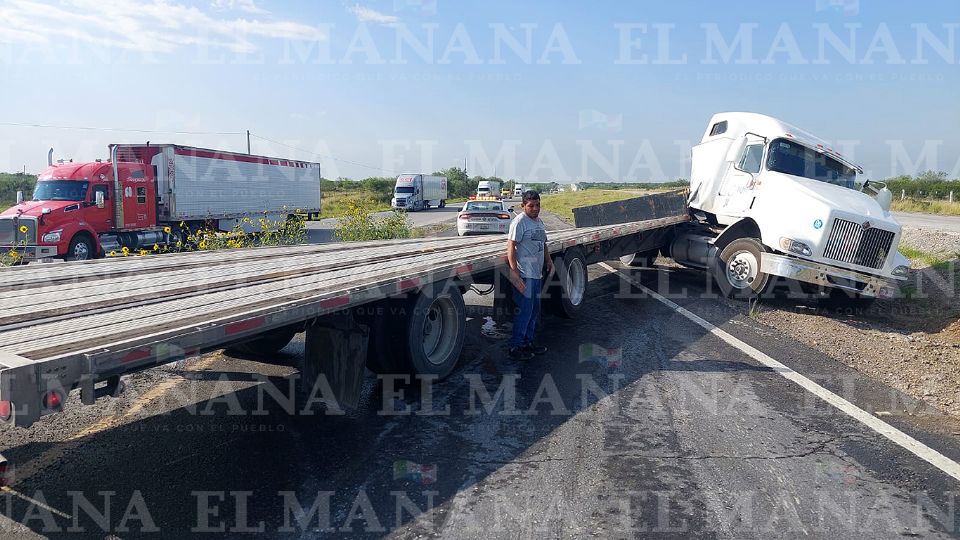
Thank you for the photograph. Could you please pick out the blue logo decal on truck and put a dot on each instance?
(818, 224)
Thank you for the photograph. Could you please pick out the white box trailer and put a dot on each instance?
(196, 183)
(419, 192)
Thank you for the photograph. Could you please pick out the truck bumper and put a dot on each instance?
(31, 253)
(828, 276)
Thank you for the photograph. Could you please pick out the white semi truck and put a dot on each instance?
(419, 192)
(770, 200)
(488, 188)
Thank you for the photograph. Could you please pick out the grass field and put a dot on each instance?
(337, 203)
(562, 204)
(925, 206)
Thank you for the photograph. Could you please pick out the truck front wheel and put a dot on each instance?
(81, 249)
(737, 269)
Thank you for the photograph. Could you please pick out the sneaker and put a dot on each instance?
(519, 353)
(535, 349)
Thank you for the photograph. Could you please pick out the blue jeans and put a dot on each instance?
(528, 310)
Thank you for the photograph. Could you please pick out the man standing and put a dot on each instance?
(527, 255)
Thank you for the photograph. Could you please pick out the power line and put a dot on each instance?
(92, 128)
(358, 164)
(151, 131)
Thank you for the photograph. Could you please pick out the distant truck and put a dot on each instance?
(769, 200)
(518, 190)
(414, 192)
(152, 194)
(488, 188)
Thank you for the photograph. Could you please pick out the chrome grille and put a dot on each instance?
(850, 242)
(10, 231)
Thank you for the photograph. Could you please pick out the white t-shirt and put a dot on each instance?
(530, 236)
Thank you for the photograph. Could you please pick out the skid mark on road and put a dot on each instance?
(898, 437)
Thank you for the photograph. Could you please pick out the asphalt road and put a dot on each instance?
(929, 221)
(636, 422)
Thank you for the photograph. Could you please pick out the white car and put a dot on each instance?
(484, 215)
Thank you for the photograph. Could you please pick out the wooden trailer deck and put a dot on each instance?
(78, 323)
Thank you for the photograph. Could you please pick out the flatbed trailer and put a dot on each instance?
(81, 326)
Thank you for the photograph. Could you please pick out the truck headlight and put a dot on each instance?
(901, 271)
(52, 237)
(793, 246)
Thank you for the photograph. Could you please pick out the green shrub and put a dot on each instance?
(359, 225)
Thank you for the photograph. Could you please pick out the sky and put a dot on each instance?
(527, 90)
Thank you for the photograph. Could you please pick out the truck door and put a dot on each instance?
(101, 219)
(138, 198)
(737, 190)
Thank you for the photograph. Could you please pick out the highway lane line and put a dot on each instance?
(898, 437)
(38, 504)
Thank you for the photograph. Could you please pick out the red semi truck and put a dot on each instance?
(142, 195)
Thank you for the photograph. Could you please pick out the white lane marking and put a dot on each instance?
(10, 490)
(900, 438)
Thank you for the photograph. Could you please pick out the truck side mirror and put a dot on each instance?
(99, 198)
(885, 199)
(19, 197)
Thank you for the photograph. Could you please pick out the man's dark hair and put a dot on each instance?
(530, 195)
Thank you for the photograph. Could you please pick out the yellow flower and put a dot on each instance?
(156, 247)
(179, 243)
(166, 230)
(13, 253)
(143, 252)
(113, 253)
(203, 244)
(125, 250)
(298, 210)
(190, 237)
(182, 224)
(23, 229)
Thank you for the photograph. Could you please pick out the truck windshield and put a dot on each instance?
(789, 157)
(60, 190)
(404, 190)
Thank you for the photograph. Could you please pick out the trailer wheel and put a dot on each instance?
(81, 249)
(568, 289)
(737, 269)
(424, 334)
(266, 344)
(641, 259)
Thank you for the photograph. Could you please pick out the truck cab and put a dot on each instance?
(774, 200)
(407, 192)
(74, 204)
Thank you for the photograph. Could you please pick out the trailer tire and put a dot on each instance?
(266, 344)
(567, 290)
(641, 259)
(81, 248)
(428, 336)
(737, 269)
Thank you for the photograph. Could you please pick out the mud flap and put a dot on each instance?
(336, 350)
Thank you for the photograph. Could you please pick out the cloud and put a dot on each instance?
(247, 6)
(365, 14)
(149, 26)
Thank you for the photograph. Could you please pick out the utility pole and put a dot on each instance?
(248, 142)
